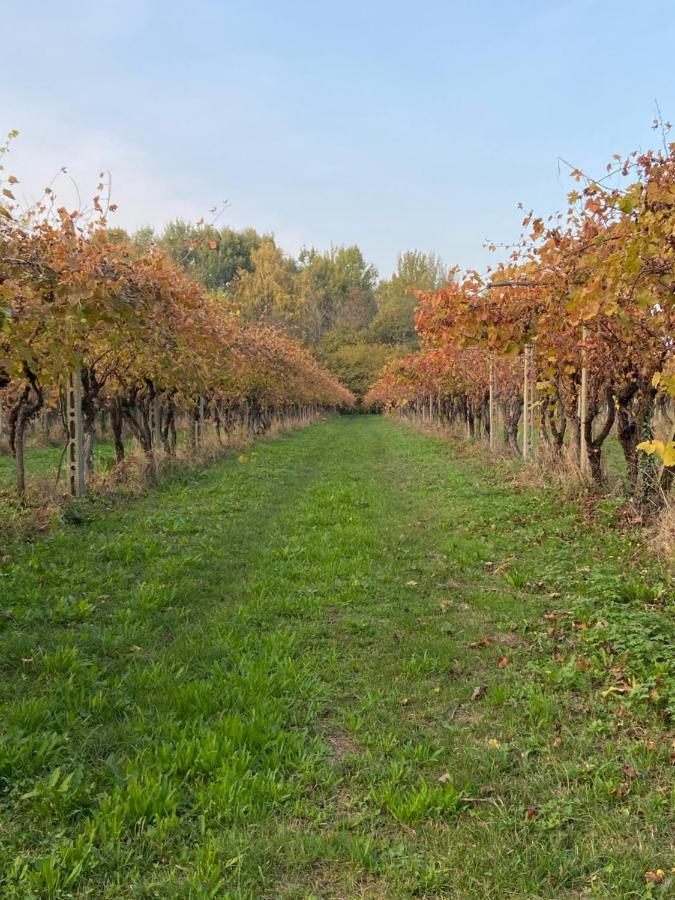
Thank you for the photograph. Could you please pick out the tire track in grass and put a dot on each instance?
(452, 730)
(147, 700)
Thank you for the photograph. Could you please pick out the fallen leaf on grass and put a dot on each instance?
(617, 689)
(485, 641)
(530, 813)
(445, 777)
(656, 877)
(411, 583)
(503, 662)
(630, 772)
(621, 790)
(479, 691)
(493, 743)
(404, 701)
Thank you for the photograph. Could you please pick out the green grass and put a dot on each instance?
(257, 682)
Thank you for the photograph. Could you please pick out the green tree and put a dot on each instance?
(117, 235)
(213, 255)
(267, 292)
(144, 238)
(358, 365)
(337, 289)
(394, 322)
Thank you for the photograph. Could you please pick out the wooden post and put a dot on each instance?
(526, 403)
(583, 407)
(75, 451)
(492, 409)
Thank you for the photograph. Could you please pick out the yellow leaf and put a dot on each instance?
(665, 451)
(652, 447)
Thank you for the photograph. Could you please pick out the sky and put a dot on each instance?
(393, 125)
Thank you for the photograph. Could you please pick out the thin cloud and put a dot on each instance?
(142, 189)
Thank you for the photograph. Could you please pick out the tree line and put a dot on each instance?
(331, 301)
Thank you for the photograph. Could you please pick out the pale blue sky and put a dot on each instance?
(393, 124)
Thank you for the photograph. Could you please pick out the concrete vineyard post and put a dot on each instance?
(492, 410)
(199, 423)
(583, 407)
(531, 392)
(75, 451)
(156, 423)
(526, 404)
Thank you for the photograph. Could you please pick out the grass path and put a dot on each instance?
(346, 666)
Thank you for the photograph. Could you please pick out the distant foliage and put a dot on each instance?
(331, 301)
